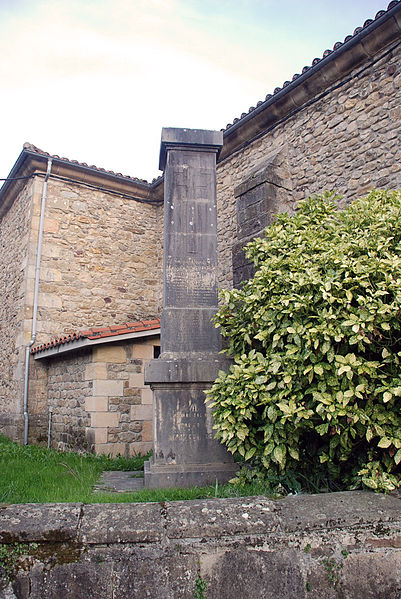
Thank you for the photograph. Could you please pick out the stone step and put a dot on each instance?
(115, 481)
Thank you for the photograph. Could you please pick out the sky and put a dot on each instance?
(96, 80)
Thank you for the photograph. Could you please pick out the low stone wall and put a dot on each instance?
(344, 545)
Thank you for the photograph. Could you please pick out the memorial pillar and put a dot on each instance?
(185, 452)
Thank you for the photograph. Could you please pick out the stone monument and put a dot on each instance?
(185, 452)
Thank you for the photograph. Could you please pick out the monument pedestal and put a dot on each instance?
(185, 452)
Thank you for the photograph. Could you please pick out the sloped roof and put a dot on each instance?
(109, 333)
(337, 46)
(366, 46)
(31, 148)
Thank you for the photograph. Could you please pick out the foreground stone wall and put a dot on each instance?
(99, 399)
(347, 140)
(14, 243)
(341, 545)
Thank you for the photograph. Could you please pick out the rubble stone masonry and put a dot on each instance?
(99, 400)
(347, 140)
(101, 265)
(14, 241)
(101, 261)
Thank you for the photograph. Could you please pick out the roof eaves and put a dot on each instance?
(32, 161)
(317, 64)
(83, 166)
(89, 341)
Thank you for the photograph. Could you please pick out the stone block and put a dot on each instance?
(99, 435)
(147, 396)
(137, 380)
(279, 574)
(108, 388)
(96, 404)
(112, 449)
(147, 431)
(315, 511)
(120, 523)
(104, 419)
(39, 522)
(73, 581)
(142, 412)
(142, 351)
(109, 353)
(95, 370)
(215, 518)
(140, 575)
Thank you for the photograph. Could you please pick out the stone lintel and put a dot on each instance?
(187, 139)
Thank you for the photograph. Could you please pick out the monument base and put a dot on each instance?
(185, 451)
(187, 475)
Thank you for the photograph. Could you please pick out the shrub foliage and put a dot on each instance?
(315, 335)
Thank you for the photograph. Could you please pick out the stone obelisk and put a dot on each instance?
(184, 449)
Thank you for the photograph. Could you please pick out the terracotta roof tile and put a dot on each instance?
(99, 333)
(31, 148)
(316, 61)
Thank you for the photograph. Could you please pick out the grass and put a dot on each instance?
(31, 474)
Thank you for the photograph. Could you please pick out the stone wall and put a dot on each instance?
(339, 545)
(99, 400)
(101, 265)
(14, 242)
(67, 391)
(102, 260)
(347, 140)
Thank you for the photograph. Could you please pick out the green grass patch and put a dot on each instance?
(31, 474)
(159, 495)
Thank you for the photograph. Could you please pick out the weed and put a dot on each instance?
(308, 586)
(10, 555)
(332, 569)
(200, 588)
(307, 548)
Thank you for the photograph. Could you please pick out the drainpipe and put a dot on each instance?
(49, 430)
(35, 300)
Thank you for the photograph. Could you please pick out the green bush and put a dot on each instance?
(316, 384)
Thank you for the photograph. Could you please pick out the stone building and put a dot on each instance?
(100, 266)
(336, 126)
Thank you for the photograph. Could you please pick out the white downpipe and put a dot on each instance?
(35, 300)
